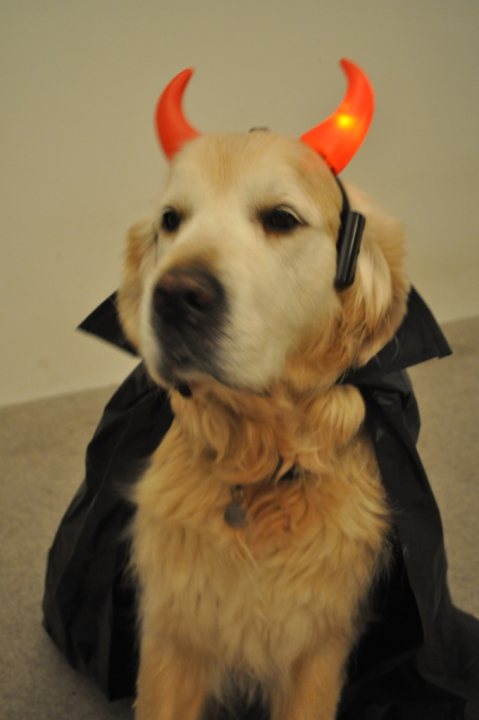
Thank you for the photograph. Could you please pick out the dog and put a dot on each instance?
(261, 520)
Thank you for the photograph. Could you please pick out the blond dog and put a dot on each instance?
(261, 520)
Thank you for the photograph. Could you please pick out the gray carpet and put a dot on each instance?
(42, 446)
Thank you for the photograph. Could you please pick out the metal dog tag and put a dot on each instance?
(235, 513)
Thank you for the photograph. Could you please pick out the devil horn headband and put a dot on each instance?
(337, 138)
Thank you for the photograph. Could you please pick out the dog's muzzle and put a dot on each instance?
(188, 316)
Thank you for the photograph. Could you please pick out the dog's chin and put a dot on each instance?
(188, 378)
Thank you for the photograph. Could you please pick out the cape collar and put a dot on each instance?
(418, 339)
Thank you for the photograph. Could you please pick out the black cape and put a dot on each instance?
(418, 661)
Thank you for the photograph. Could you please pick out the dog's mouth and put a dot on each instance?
(187, 366)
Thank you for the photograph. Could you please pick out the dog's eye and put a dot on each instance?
(170, 220)
(279, 220)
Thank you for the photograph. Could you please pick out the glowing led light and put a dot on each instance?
(346, 121)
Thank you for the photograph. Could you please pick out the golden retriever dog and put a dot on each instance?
(261, 521)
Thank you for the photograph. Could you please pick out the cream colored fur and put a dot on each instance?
(279, 603)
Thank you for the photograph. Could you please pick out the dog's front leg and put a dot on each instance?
(314, 689)
(171, 685)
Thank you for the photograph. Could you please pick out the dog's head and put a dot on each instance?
(234, 279)
(235, 276)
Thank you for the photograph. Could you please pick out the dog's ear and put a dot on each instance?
(139, 241)
(376, 303)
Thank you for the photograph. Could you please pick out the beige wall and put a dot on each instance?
(80, 162)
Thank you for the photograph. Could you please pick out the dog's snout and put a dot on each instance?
(187, 295)
(188, 316)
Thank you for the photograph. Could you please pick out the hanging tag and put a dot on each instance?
(235, 512)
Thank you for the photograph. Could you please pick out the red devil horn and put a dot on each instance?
(338, 138)
(172, 127)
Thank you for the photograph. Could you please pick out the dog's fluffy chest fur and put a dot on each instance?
(257, 597)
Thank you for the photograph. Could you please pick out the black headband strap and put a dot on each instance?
(348, 242)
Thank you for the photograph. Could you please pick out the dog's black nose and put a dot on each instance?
(188, 316)
(188, 297)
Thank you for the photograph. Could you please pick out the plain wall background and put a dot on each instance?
(80, 163)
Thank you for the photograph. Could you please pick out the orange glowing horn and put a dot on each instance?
(172, 127)
(338, 137)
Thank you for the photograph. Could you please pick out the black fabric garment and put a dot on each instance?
(419, 659)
